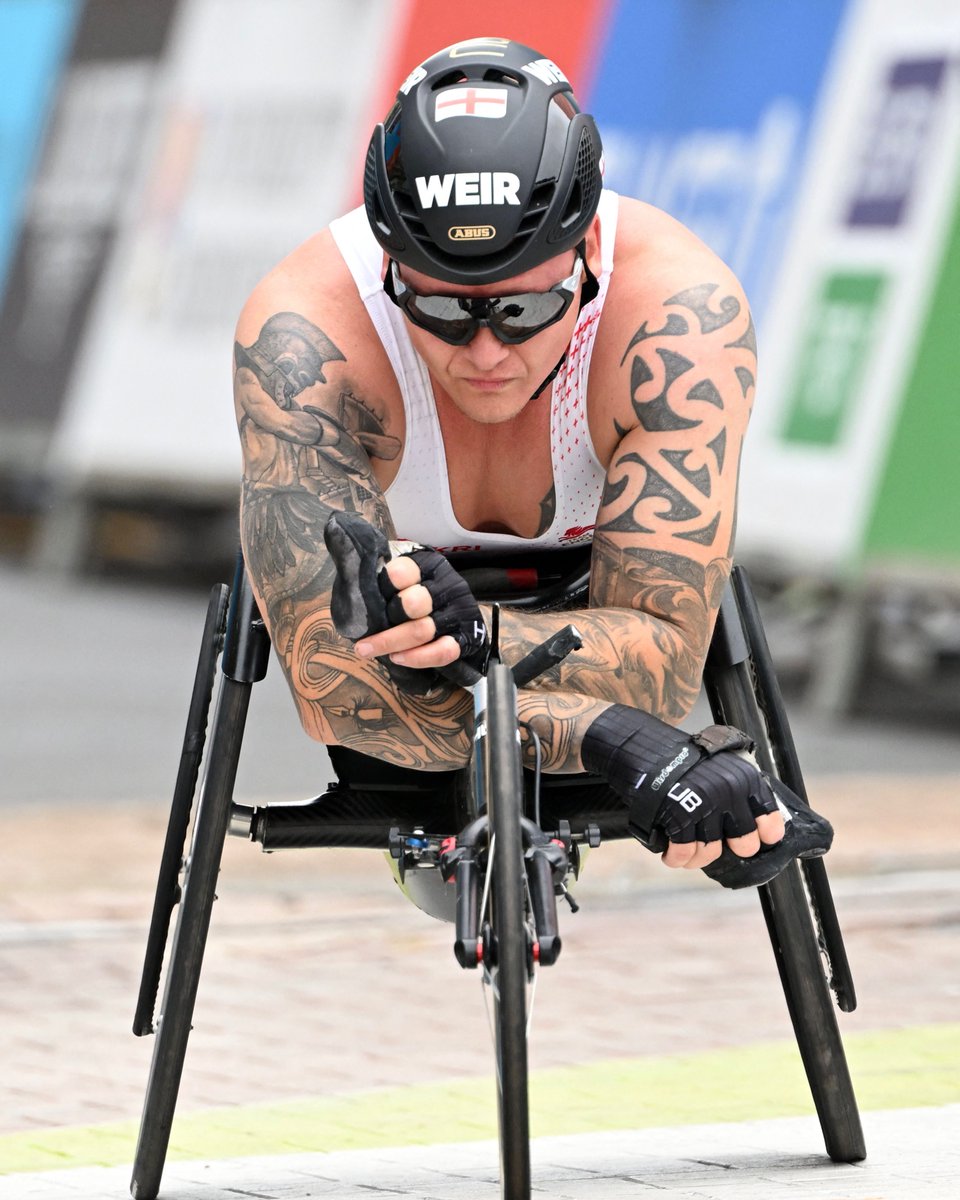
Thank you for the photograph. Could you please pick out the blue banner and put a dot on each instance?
(705, 111)
(90, 154)
(34, 39)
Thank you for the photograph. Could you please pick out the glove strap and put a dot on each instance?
(717, 738)
(654, 786)
(642, 758)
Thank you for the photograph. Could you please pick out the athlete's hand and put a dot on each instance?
(414, 613)
(434, 619)
(736, 806)
(702, 801)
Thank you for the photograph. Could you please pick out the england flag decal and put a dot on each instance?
(471, 102)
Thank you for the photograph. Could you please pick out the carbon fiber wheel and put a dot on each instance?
(189, 940)
(732, 689)
(508, 971)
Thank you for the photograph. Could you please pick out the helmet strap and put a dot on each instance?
(591, 285)
(589, 291)
(551, 377)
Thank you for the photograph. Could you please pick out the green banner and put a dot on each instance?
(827, 374)
(917, 508)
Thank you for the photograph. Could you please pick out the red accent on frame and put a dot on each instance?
(523, 579)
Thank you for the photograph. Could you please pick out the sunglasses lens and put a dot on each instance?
(443, 316)
(512, 319)
(523, 316)
(456, 319)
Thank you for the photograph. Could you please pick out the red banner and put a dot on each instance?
(571, 32)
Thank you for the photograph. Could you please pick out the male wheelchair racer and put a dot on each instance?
(508, 839)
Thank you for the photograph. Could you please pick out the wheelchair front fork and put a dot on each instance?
(549, 860)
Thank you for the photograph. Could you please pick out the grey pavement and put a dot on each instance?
(97, 679)
(317, 972)
(915, 1155)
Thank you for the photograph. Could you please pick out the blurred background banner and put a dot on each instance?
(164, 153)
(252, 148)
(705, 111)
(68, 214)
(35, 36)
(849, 466)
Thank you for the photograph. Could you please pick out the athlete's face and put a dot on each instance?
(487, 380)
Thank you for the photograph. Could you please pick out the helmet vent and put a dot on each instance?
(537, 207)
(412, 219)
(574, 204)
(499, 75)
(448, 80)
(583, 190)
(370, 169)
(587, 171)
(375, 213)
(408, 212)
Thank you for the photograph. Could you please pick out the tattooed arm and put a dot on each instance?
(309, 447)
(664, 536)
(317, 433)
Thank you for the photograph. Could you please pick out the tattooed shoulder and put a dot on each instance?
(690, 372)
(287, 361)
(288, 355)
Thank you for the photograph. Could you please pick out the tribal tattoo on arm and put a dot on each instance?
(664, 537)
(308, 445)
(661, 554)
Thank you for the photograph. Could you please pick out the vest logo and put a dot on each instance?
(575, 532)
(471, 233)
(468, 187)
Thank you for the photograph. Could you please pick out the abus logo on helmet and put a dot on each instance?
(468, 187)
(471, 233)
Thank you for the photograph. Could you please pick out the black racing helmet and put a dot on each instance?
(485, 167)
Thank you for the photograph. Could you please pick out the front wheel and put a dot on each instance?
(503, 788)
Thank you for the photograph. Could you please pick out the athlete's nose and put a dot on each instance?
(485, 350)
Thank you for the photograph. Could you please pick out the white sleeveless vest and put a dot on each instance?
(419, 497)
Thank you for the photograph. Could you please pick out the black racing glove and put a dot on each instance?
(703, 787)
(365, 601)
(455, 610)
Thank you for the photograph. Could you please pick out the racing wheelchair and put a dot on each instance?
(507, 839)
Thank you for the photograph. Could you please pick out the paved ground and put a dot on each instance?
(915, 1156)
(333, 1022)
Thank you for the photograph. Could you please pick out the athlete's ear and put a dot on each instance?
(384, 266)
(592, 239)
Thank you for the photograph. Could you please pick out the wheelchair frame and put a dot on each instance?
(741, 686)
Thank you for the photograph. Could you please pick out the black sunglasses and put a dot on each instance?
(511, 319)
